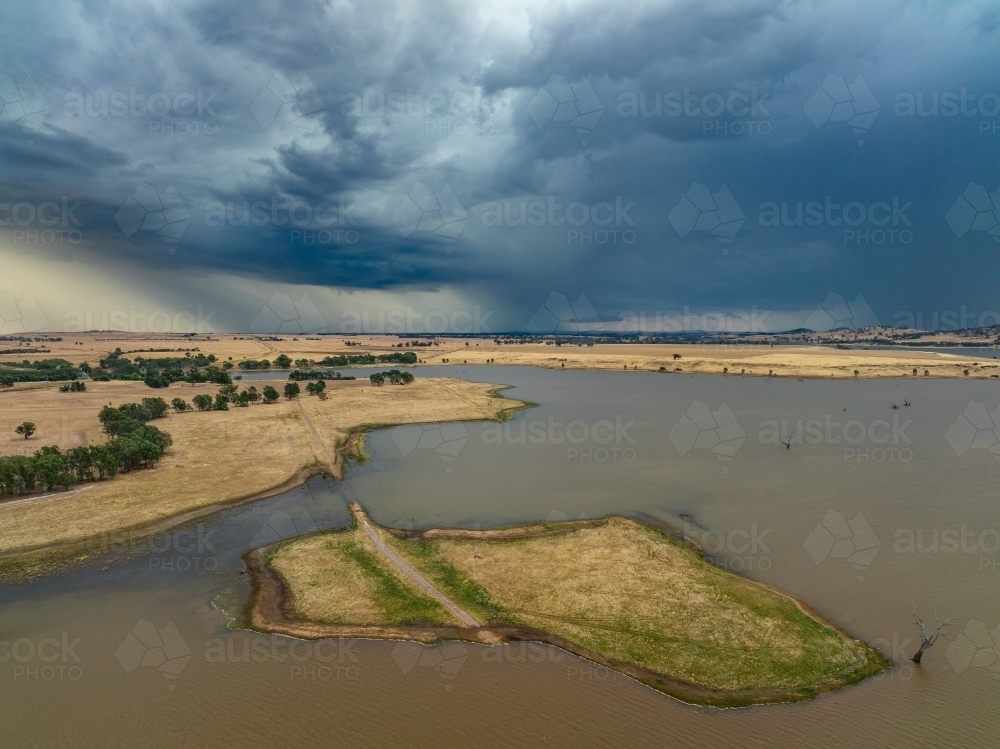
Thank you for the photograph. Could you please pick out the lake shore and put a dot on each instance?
(219, 459)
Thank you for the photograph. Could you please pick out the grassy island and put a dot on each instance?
(614, 591)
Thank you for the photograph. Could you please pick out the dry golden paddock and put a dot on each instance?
(753, 359)
(217, 457)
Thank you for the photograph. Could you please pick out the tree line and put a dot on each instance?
(132, 444)
(393, 377)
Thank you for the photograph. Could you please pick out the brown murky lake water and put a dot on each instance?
(142, 653)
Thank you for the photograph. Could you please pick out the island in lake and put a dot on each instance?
(615, 591)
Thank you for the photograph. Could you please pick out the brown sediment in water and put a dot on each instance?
(267, 610)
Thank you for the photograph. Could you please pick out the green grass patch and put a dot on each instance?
(426, 557)
(400, 603)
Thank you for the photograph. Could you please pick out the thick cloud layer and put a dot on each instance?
(667, 159)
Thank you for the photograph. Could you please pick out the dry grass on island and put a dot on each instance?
(218, 458)
(617, 592)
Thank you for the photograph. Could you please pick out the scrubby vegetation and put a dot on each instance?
(283, 361)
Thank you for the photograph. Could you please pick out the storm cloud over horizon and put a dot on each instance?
(763, 163)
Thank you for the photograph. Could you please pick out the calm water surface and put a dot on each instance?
(597, 443)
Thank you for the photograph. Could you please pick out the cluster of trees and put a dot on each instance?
(228, 394)
(284, 362)
(255, 364)
(73, 387)
(43, 370)
(393, 376)
(162, 371)
(133, 444)
(316, 374)
(396, 357)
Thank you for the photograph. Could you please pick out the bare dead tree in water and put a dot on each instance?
(928, 636)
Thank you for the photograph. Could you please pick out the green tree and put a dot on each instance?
(27, 428)
(221, 403)
(252, 395)
(282, 362)
(316, 388)
(228, 391)
(292, 390)
(270, 394)
(179, 404)
(377, 379)
(202, 402)
(155, 407)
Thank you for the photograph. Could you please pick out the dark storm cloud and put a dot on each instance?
(341, 145)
